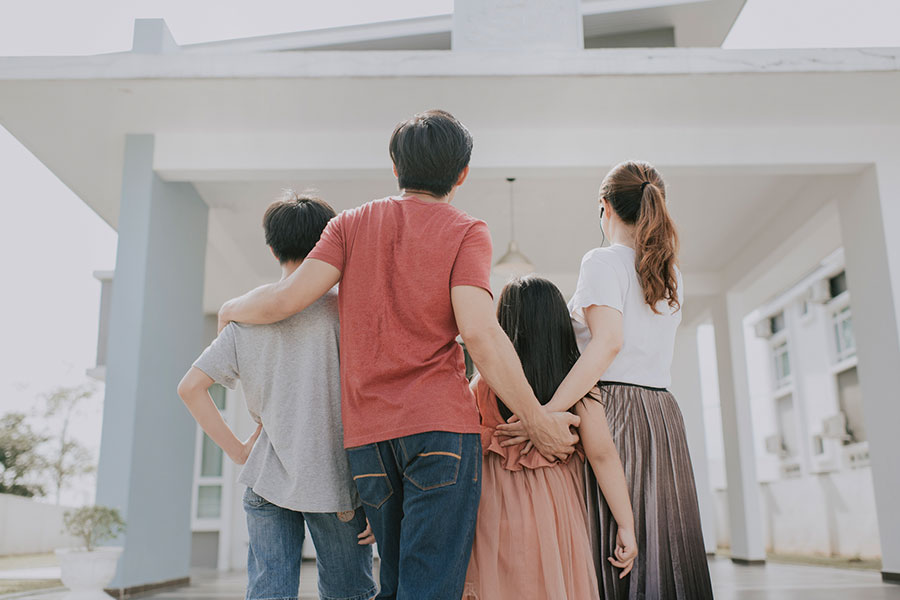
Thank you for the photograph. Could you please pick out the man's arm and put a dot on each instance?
(606, 328)
(277, 301)
(496, 359)
(194, 391)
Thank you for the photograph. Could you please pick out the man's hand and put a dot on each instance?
(552, 435)
(625, 552)
(245, 448)
(366, 538)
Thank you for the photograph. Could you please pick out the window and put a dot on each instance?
(838, 284)
(209, 501)
(777, 322)
(844, 342)
(850, 400)
(787, 427)
(782, 365)
(209, 474)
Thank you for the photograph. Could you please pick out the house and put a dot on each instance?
(775, 160)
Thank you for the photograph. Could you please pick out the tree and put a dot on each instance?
(67, 458)
(19, 457)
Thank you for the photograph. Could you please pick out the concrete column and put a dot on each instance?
(517, 25)
(686, 387)
(155, 332)
(744, 514)
(870, 218)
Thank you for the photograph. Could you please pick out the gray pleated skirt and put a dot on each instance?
(648, 430)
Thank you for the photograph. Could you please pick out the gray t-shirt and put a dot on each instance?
(290, 374)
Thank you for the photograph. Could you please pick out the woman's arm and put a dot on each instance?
(604, 459)
(605, 324)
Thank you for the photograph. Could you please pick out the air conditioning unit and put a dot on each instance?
(763, 329)
(775, 445)
(819, 292)
(835, 427)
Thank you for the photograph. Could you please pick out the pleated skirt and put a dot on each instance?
(648, 431)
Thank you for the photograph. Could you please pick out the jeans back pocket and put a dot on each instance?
(369, 474)
(433, 458)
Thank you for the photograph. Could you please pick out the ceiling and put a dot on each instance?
(718, 215)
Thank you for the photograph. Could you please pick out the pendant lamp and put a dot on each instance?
(513, 263)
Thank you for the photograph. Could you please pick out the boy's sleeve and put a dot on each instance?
(219, 360)
(330, 247)
(600, 283)
(473, 260)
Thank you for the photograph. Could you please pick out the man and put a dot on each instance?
(297, 471)
(415, 273)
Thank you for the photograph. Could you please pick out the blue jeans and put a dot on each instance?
(276, 543)
(421, 496)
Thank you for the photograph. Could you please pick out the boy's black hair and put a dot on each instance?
(294, 224)
(430, 151)
(533, 313)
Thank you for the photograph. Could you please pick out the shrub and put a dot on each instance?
(93, 524)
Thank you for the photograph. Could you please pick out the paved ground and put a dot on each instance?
(770, 582)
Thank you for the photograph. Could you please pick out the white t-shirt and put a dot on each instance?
(608, 278)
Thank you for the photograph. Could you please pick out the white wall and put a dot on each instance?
(831, 514)
(31, 527)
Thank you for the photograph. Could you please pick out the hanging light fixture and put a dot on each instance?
(513, 263)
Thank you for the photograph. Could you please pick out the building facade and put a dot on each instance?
(774, 160)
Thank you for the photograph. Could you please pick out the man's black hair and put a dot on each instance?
(430, 151)
(294, 224)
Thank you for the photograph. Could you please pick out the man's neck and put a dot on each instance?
(289, 267)
(426, 197)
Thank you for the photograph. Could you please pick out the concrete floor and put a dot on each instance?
(731, 582)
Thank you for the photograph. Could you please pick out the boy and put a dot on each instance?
(415, 273)
(295, 466)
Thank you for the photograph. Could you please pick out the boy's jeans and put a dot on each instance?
(421, 495)
(276, 542)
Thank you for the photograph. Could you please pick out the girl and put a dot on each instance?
(625, 311)
(531, 539)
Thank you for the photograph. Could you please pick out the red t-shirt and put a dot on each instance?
(402, 371)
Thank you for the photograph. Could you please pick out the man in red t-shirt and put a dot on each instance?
(414, 273)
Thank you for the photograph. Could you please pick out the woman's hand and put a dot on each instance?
(625, 552)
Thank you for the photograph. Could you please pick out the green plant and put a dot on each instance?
(20, 462)
(93, 524)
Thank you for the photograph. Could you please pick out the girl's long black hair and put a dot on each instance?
(533, 314)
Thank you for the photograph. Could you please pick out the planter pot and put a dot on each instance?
(87, 573)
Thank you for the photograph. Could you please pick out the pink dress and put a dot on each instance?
(531, 538)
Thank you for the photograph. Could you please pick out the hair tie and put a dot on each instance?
(643, 185)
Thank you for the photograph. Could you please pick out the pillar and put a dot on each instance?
(687, 390)
(744, 514)
(870, 218)
(517, 26)
(155, 332)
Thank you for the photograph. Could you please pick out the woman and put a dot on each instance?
(625, 311)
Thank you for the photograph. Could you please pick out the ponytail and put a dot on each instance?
(637, 194)
(656, 249)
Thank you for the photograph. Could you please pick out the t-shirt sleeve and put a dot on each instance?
(600, 283)
(219, 360)
(473, 260)
(330, 247)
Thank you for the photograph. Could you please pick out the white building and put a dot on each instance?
(774, 160)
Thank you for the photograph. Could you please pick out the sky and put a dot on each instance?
(51, 242)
